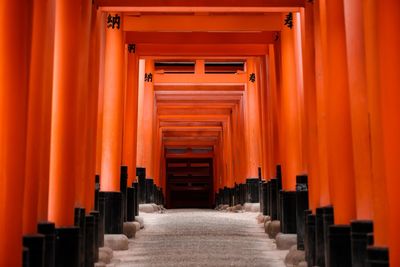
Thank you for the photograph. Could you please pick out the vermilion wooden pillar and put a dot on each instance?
(65, 161)
(92, 105)
(14, 69)
(113, 106)
(36, 186)
(290, 106)
(320, 76)
(359, 107)
(252, 120)
(145, 119)
(131, 112)
(310, 103)
(99, 130)
(84, 120)
(272, 116)
(339, 134)
(389, 80)
(380, 197)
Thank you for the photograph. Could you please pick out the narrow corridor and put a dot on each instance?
(193, 237)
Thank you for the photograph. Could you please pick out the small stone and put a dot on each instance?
(267, 226)
(129, 229)
(285, 241)
(107, 250)
(140, 221)
(274, 229)
(146, 208)
(104, 257)
(302, 264)
(255, 207)
(294, 257)
(99, 264)
(116, 242)
(137, 225)
(238, 207)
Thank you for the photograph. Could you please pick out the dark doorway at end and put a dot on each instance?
(189, 182)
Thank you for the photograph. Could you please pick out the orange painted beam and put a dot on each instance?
(112, 110)
(201, 50)
(182, 23)
(36, 188)
(15, 37)
(199, 79)
(201, 6)
(264, 37)
(196, 87)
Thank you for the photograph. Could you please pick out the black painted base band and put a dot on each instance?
(90, 243)
(339, 246)
(36, 245)
(48, 229)
(377, 257)
(67, 246)
(96, 216)
(111, 207)
(359, 241)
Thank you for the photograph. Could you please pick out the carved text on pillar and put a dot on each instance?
(148, 77)
(276, 36)
(131, 48)
(252, 77)
(113, 21)
(289, 20)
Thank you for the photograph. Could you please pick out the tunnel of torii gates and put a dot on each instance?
(311, 86)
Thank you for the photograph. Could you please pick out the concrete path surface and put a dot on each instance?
(190, 237)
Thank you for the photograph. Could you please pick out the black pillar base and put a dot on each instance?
(96, 191)
(273, 199)
(377, 257)
(359, 241)
(252, 190)
(261, 195)
(48, 229)
(123, 187)
(135, 186)
(90, 243)
(265, 198)
(130, 204)
(289, 212)
(328, 220)
(25, 257)
(36, 245)
(111, 207)
(67, 246)
(242, 198)
(311, 238)
(80, 221)
(339, 246)
(96, 216)
(306, 213)
(301, 206)
(319, 238)
(277, 189)
(149, 191)
(141, 174)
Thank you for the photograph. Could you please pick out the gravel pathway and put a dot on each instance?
(190, 237)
